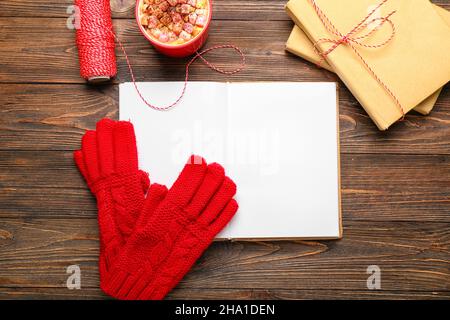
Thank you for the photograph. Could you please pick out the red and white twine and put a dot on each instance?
(96, 45)
(95, 39)
(186, 77)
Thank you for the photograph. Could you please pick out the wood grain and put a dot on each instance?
(36, 252)
(53, 117)
(263, 43)
(223, 9)
(38, 184)
(266, 10)
(395, 184)
(225, 294)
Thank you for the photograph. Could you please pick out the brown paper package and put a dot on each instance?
(420, 32)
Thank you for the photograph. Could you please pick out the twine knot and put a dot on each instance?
(354, 38)
(344, 39)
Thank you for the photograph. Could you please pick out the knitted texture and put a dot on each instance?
(108, 162)
(165, 245)
(148, 244)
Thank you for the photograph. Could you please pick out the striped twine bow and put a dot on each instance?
(353, 39)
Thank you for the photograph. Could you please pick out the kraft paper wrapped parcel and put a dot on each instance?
(300, 45)
(420, 31)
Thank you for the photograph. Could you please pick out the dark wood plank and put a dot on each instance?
(417, 134)
(263, 45)
(48, 216)
(23, 55)
(38, 184)
(412, 257)
(54, 117)
(267, 10)
(225, 294)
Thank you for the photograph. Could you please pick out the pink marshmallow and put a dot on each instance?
(185, 9)
(188, 27)
(184, 35)
(177, 18)
(163, 37)
(192, 18)
(201, 21)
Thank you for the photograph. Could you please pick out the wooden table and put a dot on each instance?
(395, 184)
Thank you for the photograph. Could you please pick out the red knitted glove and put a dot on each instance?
(167, 242)
(108, 161)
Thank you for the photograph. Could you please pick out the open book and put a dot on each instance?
(278, 141)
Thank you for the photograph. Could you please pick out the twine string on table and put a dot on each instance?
(186, 77)
(351, 39)
(96, 43)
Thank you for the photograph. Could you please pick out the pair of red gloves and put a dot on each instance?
(149, 236)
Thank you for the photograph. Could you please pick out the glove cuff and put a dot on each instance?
(154, 284)
(115, 180)
(124, 285)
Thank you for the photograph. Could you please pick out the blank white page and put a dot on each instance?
(278, 141)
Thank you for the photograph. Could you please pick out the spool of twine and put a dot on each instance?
(95, 41)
